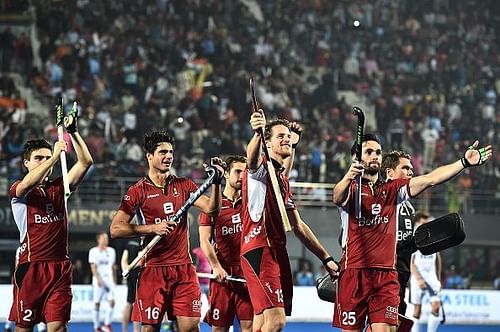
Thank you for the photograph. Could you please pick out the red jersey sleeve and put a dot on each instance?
(129, 201)
(205, 219)
(12, 190)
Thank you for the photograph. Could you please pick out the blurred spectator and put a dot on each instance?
(304, 276)
(321, 272)
(453, 279)
(427, 77)
(80, 274)
(496, 282)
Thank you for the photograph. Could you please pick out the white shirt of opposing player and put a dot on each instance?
(426, 267)
(104, 259)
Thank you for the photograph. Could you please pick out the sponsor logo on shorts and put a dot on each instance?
(196, 305)
(253, 233)
(391, 312)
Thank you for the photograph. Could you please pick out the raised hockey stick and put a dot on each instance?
(60, 136)
(359, 143)
(270, 167)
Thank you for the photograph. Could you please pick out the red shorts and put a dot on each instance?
(269, 278)
(227, 299)
(42, 293)
(172, 289)
(366, 291)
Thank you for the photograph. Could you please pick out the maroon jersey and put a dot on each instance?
(227, 228)
(41, 219)
(371, 240)
(262, 224)
(152, 204)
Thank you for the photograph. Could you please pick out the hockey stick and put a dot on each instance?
(270, 167)
(176, 217)
(60, 136)
(359, 142)
(212, 276)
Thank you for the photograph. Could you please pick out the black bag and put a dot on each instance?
(439, 234)
(327, 289)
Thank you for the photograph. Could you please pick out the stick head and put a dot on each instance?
(59, 112)
(359, 130)
(255, 105)
(359, 113)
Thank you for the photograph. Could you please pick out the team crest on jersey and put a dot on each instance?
(126, 197)
(49, 208)
(384, 195)
(176, 193)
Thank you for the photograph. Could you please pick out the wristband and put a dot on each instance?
(298, 132)
(465, 162)
(328, 260)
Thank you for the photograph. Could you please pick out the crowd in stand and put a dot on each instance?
(428, 72)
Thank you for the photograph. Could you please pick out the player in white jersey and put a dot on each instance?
(425, 278)
(10, 325)
(102, 261)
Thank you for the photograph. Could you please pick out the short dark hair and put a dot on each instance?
(421, 215)
(273, 123)
(100, 233)
(35, 144)
(232, 159)
(366, 138)
(154, 138)
(391, 159)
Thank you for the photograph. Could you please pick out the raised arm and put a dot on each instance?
(296, 130)
(208, 249)
(309, 239)
(211, 205)
(341, 191)
(37, 175)
(83, 163)
(84, 159)
(254, 147)
(473, 157)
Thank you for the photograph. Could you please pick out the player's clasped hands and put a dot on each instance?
(258, 120)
